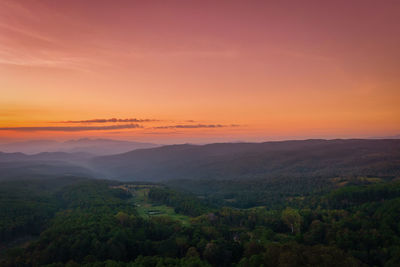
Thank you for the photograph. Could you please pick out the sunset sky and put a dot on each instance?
(199, 71)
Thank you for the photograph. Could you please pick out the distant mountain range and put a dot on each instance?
(22, 166)
(325, 158)
(222, 161)
(45, 156)
(388, 137)
(85, 145)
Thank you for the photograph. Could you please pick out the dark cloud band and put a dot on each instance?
(71, 128)
(195, 126)
(110, 120)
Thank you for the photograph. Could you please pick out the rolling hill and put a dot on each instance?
(325, 158)
(83, 145)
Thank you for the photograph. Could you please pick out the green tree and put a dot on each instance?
(292, 219)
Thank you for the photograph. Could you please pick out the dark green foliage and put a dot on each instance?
(27, 205)
(293, 254)
(272, 193)
(93, 223)
(356, 195)
(183, 203)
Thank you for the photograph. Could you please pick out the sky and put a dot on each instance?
(199, 71)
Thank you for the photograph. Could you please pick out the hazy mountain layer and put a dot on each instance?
(328, 158)
(86, 145)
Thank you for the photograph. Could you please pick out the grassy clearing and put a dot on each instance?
(146, 208)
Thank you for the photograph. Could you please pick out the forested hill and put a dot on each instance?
(72, 221)
(19, 166)
(317, 158)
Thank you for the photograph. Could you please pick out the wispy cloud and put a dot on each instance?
(194, 126)
(110, 120)
(71, 128)
(27, 41)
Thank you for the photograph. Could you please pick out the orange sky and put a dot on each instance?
(199, 70)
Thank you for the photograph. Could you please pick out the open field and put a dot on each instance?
(146, 208)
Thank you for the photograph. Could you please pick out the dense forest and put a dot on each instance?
(72, 221)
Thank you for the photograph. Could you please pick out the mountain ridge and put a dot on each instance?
(255, 160)
(88, 145)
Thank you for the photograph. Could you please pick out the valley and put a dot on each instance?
(346, 215)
